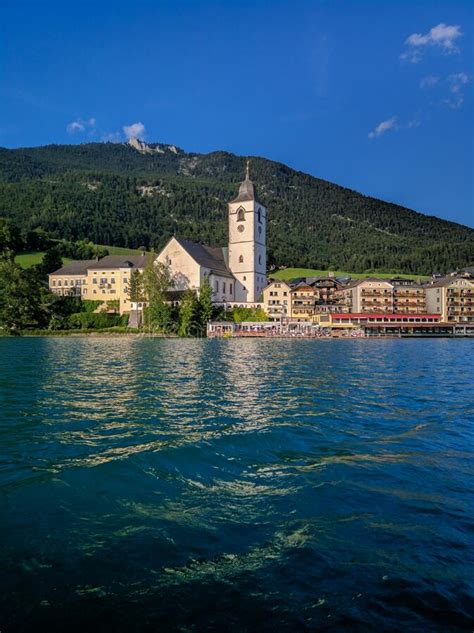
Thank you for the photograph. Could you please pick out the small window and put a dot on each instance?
(259, 259)
(259, 215)
(53, 283)
(112, 281)
(230, 288)
(223, 286)
(65, 282)
(217, 286)
(94, 280)
(241, 214)
(241, 259)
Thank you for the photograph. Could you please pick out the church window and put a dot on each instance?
(259, 230)
(259, 215)
(241, 259)
(230, 288)
(245, 278)
(223, 286)
(240, 214)
(217, 286)
(259, 259)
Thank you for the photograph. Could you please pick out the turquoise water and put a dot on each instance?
(236, 485)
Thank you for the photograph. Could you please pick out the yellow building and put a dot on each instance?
(452, 297)
(277, 300)
(106, 279)
(70, 280)
(409, 297)
(368, 295)
(303, 299)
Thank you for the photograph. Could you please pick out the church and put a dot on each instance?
(237, 272)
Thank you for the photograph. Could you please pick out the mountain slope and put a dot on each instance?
(141, 195)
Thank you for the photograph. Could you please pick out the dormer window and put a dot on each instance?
(240, 214)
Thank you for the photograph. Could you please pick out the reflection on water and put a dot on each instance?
(236, 485)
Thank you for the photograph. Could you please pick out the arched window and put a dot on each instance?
(259, 259)
(259, 215)
(241, 259)
(240, 214)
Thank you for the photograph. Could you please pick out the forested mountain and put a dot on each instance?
(122, 195)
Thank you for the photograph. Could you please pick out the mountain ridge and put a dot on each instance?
(136, 193)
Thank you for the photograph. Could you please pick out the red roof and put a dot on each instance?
(375, 315)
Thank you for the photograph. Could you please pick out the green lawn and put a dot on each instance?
(293, 273)
(26, 260)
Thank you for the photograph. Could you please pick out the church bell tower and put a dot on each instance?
(247, 243)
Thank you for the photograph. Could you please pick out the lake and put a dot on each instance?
(236, 485)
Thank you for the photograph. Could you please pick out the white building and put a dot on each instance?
(237, 273)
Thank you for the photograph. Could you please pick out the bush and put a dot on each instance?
(96, 321)
(89, 305)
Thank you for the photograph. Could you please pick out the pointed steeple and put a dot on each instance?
(246, 189)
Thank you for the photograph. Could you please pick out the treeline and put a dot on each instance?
(112, 194)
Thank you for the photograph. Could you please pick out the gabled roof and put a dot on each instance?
(211, 257)
(75, 267)
(120, 261)
(447, 281)
(302, 286)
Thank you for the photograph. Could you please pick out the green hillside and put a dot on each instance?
(287, 274)
(113, 194)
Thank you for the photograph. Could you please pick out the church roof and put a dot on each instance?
(246, 189)
(120, 261)
(212, 257)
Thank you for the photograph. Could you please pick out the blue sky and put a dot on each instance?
(376, 96)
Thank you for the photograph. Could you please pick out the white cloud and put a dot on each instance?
(456, 82)
(75, 126)
(134, 130)
(383, 127)
(442, 36)
(429, 81)
(80, 125)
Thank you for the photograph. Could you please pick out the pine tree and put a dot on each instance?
(157, 282)
(205, 305)
(188, 315)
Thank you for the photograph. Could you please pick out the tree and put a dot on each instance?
(10, 236)
(205, 304)
(136, 291)
(188, 315)
(51, 261)
(157, 282)
(19, 297)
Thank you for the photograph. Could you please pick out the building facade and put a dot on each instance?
(409, 297)
(452, 298)
(277, 300)
(368, 295)
(106, 279)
